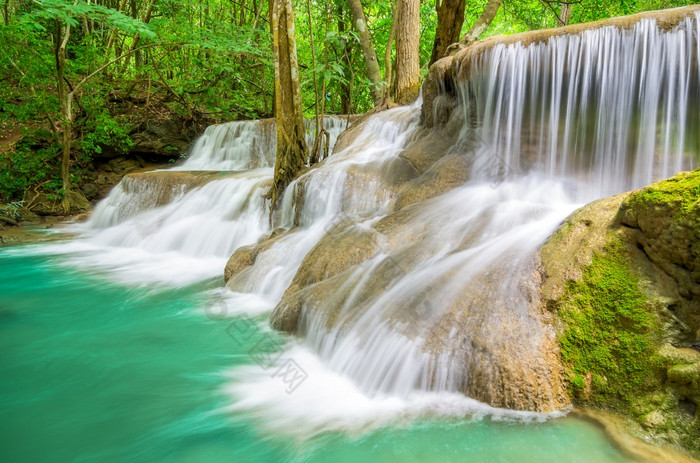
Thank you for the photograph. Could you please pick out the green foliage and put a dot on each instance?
(34, 162)
(610, 332)
(102, 130)
(70, 12)
(12, 210)
(578, 384)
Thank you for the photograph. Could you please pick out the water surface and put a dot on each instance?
(93, 370)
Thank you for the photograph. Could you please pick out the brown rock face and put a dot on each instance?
(167, 138)
(164, 186)
(343, 247)
(446, 174)
(147, 190)
(241, 259)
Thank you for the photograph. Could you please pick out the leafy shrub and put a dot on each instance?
(35, 160)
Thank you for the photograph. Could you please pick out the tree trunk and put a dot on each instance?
(145, 18)
(67, 140)
(564, 14)
(368, 52)
(6, 12)
(450, 15)
(387, 56)
(66, 99)
(291, 143)
(318, 120)
(407, 47)
(346, 95)
(481, 24)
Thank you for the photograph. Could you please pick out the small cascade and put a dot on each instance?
(357, 179)
(211, 221)
(349, 183)
(333, 125)
(234, 146)
(205, 208)
(137, 193)
(244, 145)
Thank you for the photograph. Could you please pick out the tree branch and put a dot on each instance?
(106, 65)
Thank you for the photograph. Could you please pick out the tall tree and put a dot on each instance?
(450, 16)
(407, 49)
(346, 88)
(291, 142)
(387, 55)
(368, 52)
(61, 17)
(62, 35)
(564, 14)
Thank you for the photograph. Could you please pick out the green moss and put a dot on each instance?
(681, 192)
(610, 334)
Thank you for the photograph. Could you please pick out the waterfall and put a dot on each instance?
(445, 300)
(182, 223)
(233, 146)
(243, 145)
(618, 107)
(429, 303)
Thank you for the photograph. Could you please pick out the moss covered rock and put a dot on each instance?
(619, 274)
(665, 222)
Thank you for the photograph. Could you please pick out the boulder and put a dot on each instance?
(45, 204)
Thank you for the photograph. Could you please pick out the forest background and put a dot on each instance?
(137, 71)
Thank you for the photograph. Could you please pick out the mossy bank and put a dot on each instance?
(622, 275)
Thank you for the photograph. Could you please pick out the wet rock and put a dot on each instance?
(356, 272)
(348, 136)
(45, 204)
(439, 94)
(241, 259)
(572, 246)
(239, 265)
(344, 246)
(446, 174)
(286, 315)
(164, 186)
(428, 148)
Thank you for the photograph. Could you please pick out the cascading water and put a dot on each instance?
(243, 145)
(233, 146)
(405, 310)
(181, 224)
(346, 184)
(445, 298)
